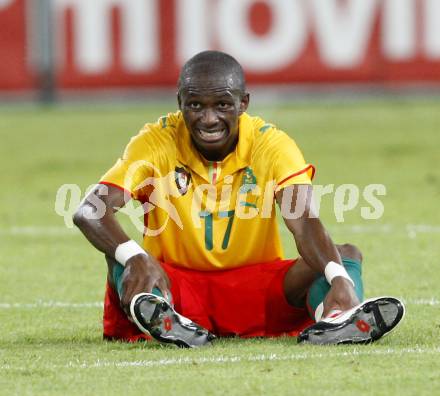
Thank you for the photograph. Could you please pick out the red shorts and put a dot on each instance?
(247, 302)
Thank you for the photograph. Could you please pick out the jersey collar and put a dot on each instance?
(240, 158)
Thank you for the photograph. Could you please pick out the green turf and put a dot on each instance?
(50, 348)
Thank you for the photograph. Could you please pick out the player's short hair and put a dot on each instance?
(214, 63)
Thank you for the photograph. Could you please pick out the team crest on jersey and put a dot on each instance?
(249, 178)
(183, 179)
(248, 183)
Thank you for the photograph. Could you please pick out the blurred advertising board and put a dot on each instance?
(139, 43)
(15, 72)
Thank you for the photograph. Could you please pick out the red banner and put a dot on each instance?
(14, 71)
(139, 43)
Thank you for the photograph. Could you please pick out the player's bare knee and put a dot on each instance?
(297, 299)
(297, 282)
(350, 251)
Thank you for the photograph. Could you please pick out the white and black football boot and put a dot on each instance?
(154, 315)
(365, 323)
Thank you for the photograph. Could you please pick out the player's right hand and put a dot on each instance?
(340, 297)
(141, 275)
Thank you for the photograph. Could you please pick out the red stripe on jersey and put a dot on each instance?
(117, 186)
(214, 173)
(306, 169)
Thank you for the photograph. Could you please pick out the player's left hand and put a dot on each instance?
(340, 297)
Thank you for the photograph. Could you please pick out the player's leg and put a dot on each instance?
(302, 285)
(115, 277)
(154, 315)
(364, 323)
(352, 261)
(116, 324)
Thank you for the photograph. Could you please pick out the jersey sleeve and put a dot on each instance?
(132, 170)
(289, 164)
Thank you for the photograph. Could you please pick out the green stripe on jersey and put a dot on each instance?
(265, 127)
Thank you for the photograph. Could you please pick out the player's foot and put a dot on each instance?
(156, 316)
(362, 324)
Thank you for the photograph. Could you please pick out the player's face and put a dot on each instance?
(211, 107)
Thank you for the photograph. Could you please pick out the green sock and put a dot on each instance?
(320, 286)
(118, 269)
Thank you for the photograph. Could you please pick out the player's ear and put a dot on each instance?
(244, 103)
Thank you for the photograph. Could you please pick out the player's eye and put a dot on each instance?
(194, 105)
(223, 105)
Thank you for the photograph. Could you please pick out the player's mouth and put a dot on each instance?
(212, 136)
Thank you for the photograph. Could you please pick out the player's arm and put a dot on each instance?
(99, 225)
(314, 243)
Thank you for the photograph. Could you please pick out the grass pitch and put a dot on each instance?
(52, 280)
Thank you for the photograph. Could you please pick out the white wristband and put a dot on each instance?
(332, 270)
(125, 251)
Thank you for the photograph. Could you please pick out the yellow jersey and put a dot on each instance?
(209, 215)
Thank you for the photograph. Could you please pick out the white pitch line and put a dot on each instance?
(365, 228)
(422, 301)
(51, 304)
(273, 357)
(387, 228)
(255, 358)
(35, 230)
(412, 230)
(432, 301)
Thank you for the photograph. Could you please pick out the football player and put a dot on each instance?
(209, 177)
